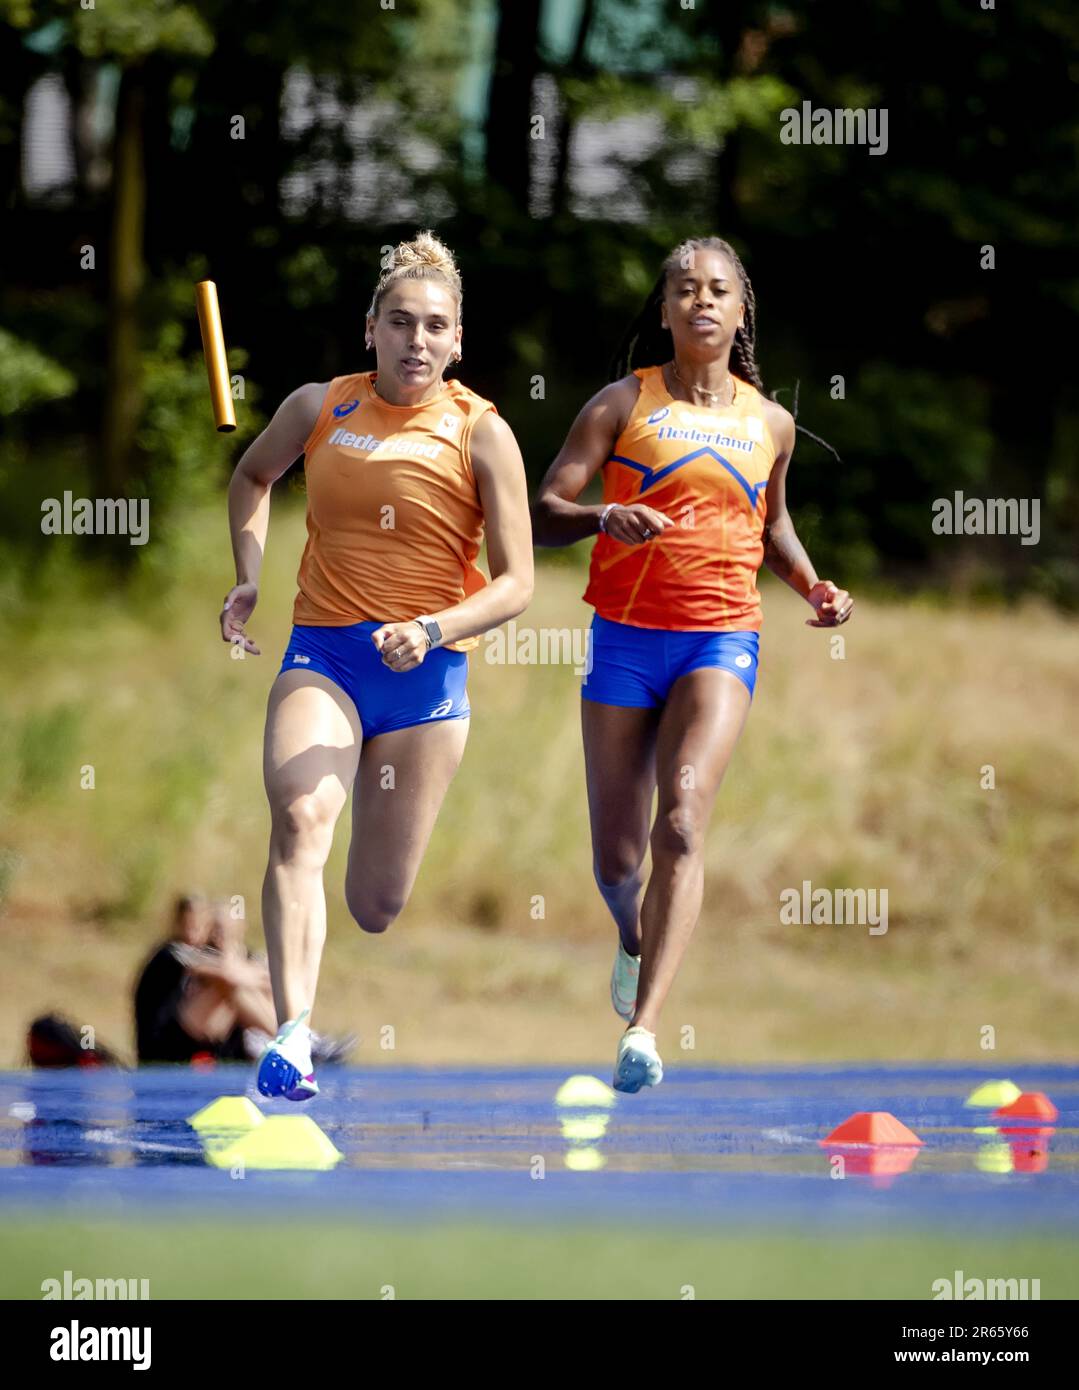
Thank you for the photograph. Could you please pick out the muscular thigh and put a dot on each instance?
(620, 771)
(312, 744)
(704, 714)
(402, 779)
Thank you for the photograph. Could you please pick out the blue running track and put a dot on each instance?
(715, 1147)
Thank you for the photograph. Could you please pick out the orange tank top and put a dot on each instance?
(394, 521)
(707, 469)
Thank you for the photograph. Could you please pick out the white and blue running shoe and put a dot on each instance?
(285, 1068)
(638, 1062)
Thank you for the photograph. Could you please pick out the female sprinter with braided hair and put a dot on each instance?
(694, 461)
(405, 472)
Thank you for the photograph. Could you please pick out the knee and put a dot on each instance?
(303, 826)
(374, 911)
(677, 833)
(616, 873)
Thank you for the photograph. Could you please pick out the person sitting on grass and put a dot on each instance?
(199, 991)
(203, 991)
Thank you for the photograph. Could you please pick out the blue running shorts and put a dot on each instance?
(636, 666)
(384, 699)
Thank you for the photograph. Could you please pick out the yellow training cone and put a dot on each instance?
(991, 1095)
(585, 1092)
(224, 1114)
(281, 1141)
(994, 1158)
(584, 1128)
(585, 1160)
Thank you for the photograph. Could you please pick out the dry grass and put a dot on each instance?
(862, 773)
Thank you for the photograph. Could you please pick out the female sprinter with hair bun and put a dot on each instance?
(406, 471)
(694, 461)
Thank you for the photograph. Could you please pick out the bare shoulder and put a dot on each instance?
(297, 415)
(285, 437)
(304, 404)
(492, 443)
(491, 438)
(780, 424)
(491, 431)
(615, 401)
(603, 416)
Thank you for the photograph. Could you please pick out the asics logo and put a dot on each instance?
(743, 659)
(299, 660)
(340, 411)
(443, 708)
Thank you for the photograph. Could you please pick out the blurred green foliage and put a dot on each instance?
(362, 124)
(29, 378)
(45, 750)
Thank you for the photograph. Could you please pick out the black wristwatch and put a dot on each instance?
(431, 630)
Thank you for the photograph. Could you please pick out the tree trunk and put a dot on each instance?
(126, 271)
(509, 107)
(575, 68)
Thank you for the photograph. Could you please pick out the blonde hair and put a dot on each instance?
(422, 258)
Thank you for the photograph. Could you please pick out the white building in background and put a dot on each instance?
(384, 178)
(48, 161)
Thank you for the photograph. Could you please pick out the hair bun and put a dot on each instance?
(422, 257)
(425, 249)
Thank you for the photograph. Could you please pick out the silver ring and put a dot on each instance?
(647, 534)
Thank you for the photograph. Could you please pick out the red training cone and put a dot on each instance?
(1031, 1153)
(1031, 1105)
(872, 1127)
(882, 1162)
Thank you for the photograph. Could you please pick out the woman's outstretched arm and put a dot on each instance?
(262, 463)
(784, 553)
(557, 517)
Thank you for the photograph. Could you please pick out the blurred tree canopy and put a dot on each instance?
(562, 147)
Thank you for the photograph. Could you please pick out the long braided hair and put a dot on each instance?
(646, 343)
